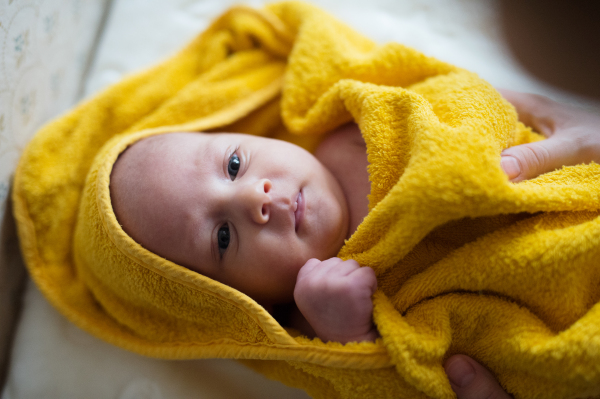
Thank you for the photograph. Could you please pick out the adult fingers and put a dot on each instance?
(536, 111)
(530, 160)
(470, 380)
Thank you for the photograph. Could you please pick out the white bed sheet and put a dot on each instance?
(54, 359)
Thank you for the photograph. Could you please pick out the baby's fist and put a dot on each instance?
(335, 298)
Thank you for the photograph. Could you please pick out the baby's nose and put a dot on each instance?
(257, 200)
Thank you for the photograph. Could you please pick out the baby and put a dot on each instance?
(249, 212)
(257, 214)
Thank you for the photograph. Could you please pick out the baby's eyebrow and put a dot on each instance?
(204, 151)
(211, 155)
(201, 244)
(213, 253)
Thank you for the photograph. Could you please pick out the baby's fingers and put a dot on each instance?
(366, 276)
(308, 268)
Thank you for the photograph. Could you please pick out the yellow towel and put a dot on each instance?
(466, 261)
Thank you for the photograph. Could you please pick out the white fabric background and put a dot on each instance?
(52, 358)
(46, 45)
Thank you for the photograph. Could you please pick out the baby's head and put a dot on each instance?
(246, 211)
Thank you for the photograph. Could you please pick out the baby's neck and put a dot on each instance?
(344, 153)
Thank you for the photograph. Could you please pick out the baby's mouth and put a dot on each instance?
(299, 207)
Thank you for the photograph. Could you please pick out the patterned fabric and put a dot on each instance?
(46, 46)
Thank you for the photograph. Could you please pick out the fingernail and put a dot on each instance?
(460, 372)
(511, 166)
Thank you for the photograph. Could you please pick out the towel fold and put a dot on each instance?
(466, 261)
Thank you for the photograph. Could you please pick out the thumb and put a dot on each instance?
(530, 160)
(470, 380)
(307, 268)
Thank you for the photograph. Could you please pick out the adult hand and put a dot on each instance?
(335, 298)
(470, 380)
(573, 137)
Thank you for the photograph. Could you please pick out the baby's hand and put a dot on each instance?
(335, 298)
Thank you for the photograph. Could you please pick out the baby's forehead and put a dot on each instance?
(153, 151)
(149, 186)
(161, 144)
(142, 162)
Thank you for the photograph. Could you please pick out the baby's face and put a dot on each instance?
(243, 210)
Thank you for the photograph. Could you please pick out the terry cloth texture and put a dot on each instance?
(467, 262)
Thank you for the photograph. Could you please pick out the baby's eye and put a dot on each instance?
(223, 238)
(234, 166)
